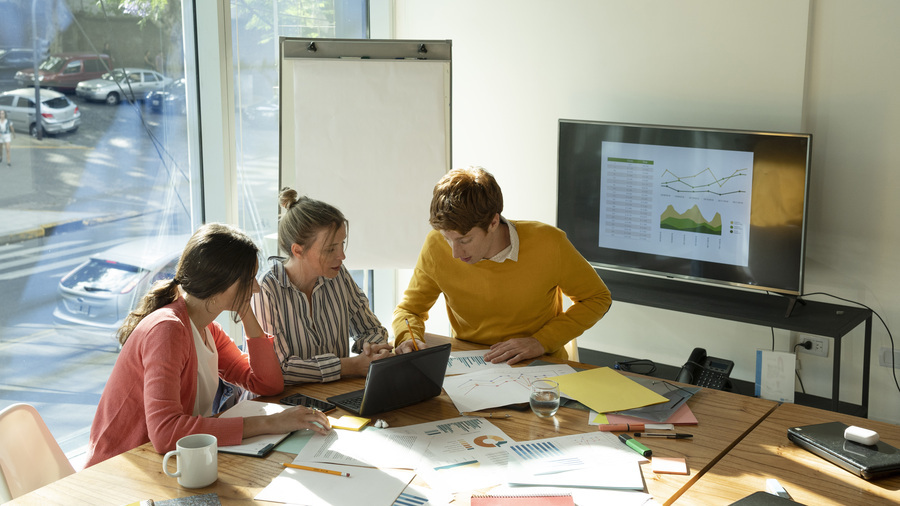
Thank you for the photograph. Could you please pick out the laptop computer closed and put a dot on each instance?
(827, 441)
(398, 381)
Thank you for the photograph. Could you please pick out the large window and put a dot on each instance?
(99, 195)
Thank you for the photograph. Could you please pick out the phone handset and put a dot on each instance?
(704, 371)
(691, 368)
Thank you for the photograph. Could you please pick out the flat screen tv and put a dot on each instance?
(714, 206)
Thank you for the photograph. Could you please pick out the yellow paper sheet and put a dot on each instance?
(605, 390)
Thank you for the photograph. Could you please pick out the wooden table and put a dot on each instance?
(767, 453)
(137, 474)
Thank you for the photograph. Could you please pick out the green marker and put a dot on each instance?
(635, 445)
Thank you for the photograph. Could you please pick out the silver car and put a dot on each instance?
(58, 113)
(102, 291)
(122, 83)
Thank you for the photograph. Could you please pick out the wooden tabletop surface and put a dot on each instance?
(137, 474)
(767, 453)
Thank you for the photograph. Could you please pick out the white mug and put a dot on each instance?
(197, 464)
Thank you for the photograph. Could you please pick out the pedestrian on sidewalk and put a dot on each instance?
(7, 132)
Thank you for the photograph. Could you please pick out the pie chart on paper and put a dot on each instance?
(490, 441)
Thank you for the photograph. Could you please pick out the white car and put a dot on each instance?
(104, 289)
(122, 83)
(58, 113)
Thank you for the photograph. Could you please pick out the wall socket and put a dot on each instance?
(819, 345)
(884, 358)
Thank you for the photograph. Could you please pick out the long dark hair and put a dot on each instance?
(215, 257)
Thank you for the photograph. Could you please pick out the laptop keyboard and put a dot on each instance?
(352, 402)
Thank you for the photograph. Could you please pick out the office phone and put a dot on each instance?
(704, 371)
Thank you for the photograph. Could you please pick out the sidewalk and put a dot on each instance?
(40, 185)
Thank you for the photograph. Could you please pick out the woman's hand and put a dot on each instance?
(359, 365)
(289, 420)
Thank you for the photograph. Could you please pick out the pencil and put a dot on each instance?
(316, 469)
(487, 415)
(413, 336)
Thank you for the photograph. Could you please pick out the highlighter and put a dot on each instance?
(635, 445)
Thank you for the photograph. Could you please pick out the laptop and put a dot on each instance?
(398, 381)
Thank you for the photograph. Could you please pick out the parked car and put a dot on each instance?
(58, 113)
(104, 289)
(172, 99)
(65, 70)
(13, 60)
(130, 83)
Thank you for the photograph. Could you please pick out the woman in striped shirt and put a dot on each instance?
(309, 301)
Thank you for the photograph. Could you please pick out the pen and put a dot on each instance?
(413, 336)
(316, 469)
(486, 415)
(635, 445)
(620, 427)
(660, 434)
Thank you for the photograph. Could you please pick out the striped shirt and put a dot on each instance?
(311, 335)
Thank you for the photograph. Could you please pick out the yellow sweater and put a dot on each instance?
(489, 302)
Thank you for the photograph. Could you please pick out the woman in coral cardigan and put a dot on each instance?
(165, 379)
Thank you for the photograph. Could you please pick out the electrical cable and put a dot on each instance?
(886, 328)
(807, 345)
(630, 365)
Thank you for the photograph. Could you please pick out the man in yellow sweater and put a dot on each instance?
(502, 280)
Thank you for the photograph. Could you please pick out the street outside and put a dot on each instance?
(89, 190)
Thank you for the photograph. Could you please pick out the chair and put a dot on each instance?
(29, 456)
(572, 349)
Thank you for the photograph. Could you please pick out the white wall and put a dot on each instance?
(827, 67)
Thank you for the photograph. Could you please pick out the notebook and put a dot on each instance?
(398, 381)
(827, 441)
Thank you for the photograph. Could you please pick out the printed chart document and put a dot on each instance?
(594, 460)
(366, 485)
(257, 446)
(463, 453)
(462, 362)
(369, 447)
(490, 389)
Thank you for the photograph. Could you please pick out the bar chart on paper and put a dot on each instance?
(462, 362)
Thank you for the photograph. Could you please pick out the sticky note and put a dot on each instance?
(348, 422)
(669, 465)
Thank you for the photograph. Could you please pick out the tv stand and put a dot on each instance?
(792, 301)
(756, 308)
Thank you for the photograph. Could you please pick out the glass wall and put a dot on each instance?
(100, 194)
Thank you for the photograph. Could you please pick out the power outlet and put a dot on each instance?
(884, 358)
(819, 345)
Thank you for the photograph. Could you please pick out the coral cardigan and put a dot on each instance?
(151, 392)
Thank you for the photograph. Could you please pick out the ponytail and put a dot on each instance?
(162, 292)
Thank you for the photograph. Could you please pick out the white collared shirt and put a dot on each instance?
(510, 252)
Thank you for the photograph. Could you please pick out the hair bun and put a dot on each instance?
(288, 197)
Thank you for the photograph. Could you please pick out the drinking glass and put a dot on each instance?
(544, 398)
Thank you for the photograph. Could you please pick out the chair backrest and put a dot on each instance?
(29, 455)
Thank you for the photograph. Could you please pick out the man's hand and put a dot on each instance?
(407, 346)
(514, 350)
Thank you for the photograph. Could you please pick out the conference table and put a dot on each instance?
(730, 425)
(767, 453)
